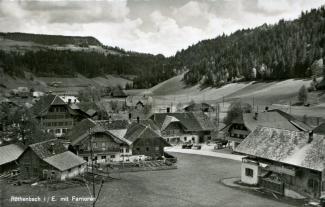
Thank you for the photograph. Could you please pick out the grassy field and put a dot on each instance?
(196, 183)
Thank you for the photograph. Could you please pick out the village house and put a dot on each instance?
(194, 127)
(204, 107)
(282, 160)
(89, 138)
(320, 129)
(50, 160)
(9, 155)
(57, 116)
(240, 127)
(145, 141)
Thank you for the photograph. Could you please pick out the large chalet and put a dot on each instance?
(191, 127)
(283, 160)
(56, 115)
(239, 128)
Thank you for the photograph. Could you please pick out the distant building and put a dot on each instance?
(283, 160)
(145, 141)
(194, 127)
(50, 160)
(9, 155)
(118, 93)
(93, 137)
(320, 129)
(240, 127)
(204, 107)
(56, 116)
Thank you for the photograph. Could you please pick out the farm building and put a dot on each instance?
(204, 107)
(320, 129)
(116, 127)
(145, 141)
(57, 116)
(50, 160)
(240, 127)
(192, 127)
(9, 155)
(282, 160)
(92, 137)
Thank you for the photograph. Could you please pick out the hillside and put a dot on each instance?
(288, 49)
(67, 56)
(274, 94)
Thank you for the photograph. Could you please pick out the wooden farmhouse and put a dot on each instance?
(50, 160)
(57, 116)
(93, 138)
(282, 160)
(9, 155)
(240, 127)
(194, 127)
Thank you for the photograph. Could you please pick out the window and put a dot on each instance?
(193, 139)
(147, 149)
(127, 150)
(249, 172)
(58, 131)
(112, 156)
(185, 139)
(64, 130)
(103, 157)
(86, 158)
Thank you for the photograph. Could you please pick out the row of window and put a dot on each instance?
(58, 131)
(103, 157)
(241, 136)
(61, 123)
(57, 116)
(147, 149)
(238, 126)
(58, 109)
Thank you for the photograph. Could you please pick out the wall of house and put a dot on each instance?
(72, 172)
(31, 165)
(153, 147)
(251, 179)
(58, 120)
(105, 149)
(307, 182)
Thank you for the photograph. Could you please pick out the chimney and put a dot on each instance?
(266, 108)
(310, 136)
(256, 115)
(52, 148)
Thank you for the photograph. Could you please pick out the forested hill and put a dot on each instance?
(68, 56)
(288, 49)
(51, 39)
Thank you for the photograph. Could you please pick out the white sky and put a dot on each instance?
(151, 26)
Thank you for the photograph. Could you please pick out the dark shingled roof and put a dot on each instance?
(192, 121)
(44, 149)
(86, 126)
(65, 161)
(138, 131)
(11, 152)
(320, 129)
(43, 104)
(114, 124)
(285, 146)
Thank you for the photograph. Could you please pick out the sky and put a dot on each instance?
(150, 26)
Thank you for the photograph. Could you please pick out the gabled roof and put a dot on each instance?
(285, 146)
(270, 118)
(48, 148)
(64, 161)
(320, 129)
(114, 124)
(139, 131)
(11, 152)
(190, 120)
(82, 130)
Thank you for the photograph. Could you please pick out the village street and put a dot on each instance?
(195, 183)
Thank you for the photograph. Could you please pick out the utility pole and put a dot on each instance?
(92, 164)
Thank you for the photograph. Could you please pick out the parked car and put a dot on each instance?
(187, 146)
(197, 147)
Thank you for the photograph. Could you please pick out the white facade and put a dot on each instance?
(73, 172)
(192, 138)
(249, 172)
